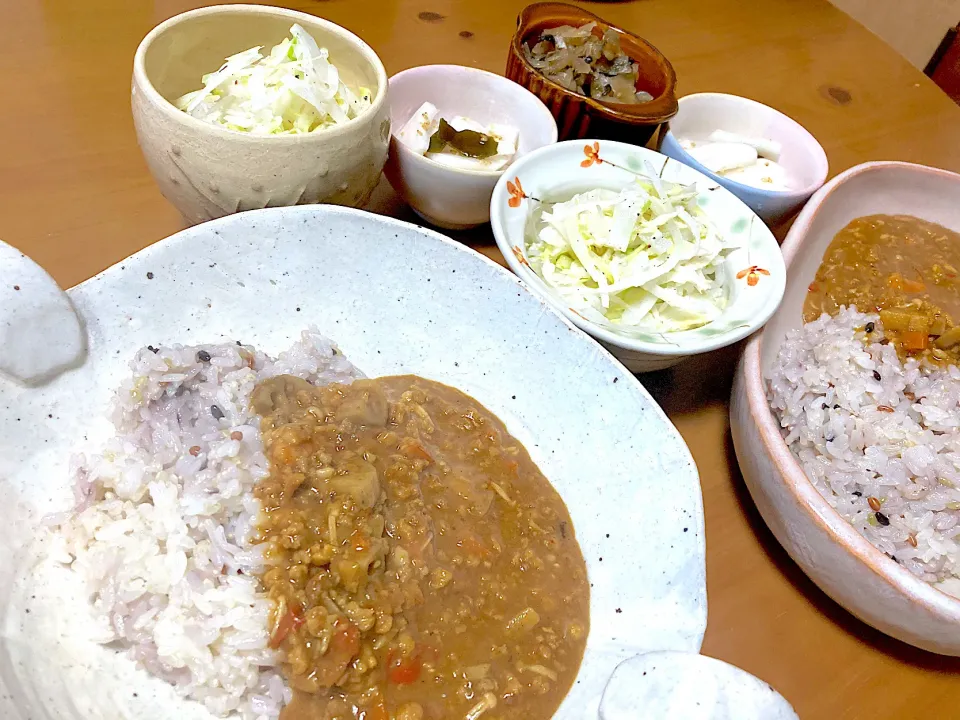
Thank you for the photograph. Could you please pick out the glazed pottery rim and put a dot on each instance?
(616, 111)
(546, 117)
(171, 111)
(805, 191)
(679, 589)
(623, 342)
(795, 480)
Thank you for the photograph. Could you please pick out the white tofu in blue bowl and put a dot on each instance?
(765, 158)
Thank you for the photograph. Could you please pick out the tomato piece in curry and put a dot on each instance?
(903, 268)
(421, 565)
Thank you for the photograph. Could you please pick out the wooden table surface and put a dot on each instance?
(75, 194)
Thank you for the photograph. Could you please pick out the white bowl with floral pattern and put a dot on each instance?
(754, 273)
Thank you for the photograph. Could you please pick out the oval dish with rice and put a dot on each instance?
(280, 538)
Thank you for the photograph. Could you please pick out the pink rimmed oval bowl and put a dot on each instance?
(828, 549)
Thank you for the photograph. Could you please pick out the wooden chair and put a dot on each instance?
(944, 66)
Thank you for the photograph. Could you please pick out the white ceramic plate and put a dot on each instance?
(398, 299)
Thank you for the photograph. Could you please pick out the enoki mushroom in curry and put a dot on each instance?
(903, 268)
(421, 565)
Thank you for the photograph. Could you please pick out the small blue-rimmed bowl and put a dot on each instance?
(754, 273)
(803, 158)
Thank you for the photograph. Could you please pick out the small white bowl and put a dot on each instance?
(208, 171)
(842, 562)
(755, 272)
(449, 197)
(670, 685)
(803, 158)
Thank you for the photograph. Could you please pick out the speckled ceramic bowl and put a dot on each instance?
(754, 273)
(397, 299)
(207, 171)
(835, 556)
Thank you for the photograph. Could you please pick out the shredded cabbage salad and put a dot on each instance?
(643, 260)
(293, 90)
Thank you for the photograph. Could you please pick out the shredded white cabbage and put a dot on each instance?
(644, 260)
(295, 89)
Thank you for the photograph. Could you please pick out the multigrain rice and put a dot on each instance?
(162, 530)
(878, 437)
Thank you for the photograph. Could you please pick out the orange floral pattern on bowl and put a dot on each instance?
(752, 274)
(521, 258)
(592, 157)
(517, 195)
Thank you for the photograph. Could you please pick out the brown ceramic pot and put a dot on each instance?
(578, 116)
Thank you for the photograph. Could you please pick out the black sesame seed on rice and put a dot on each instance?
(203, 356)
(870, 327)
(216, 412)
(842, 366)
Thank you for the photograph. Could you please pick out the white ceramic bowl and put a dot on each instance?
(755, 272)
(835, 556)
(674, 686)
(803, 157)
(208, 171)
(448, 197)
(397, 299)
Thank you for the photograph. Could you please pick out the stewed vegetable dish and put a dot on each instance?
(903, 268)
(420, 564)
(588, 62)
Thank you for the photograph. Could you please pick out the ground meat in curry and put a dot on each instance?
(903, 268)
(421, 565)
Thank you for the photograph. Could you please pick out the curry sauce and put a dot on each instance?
(421, 565)
(901, 267)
